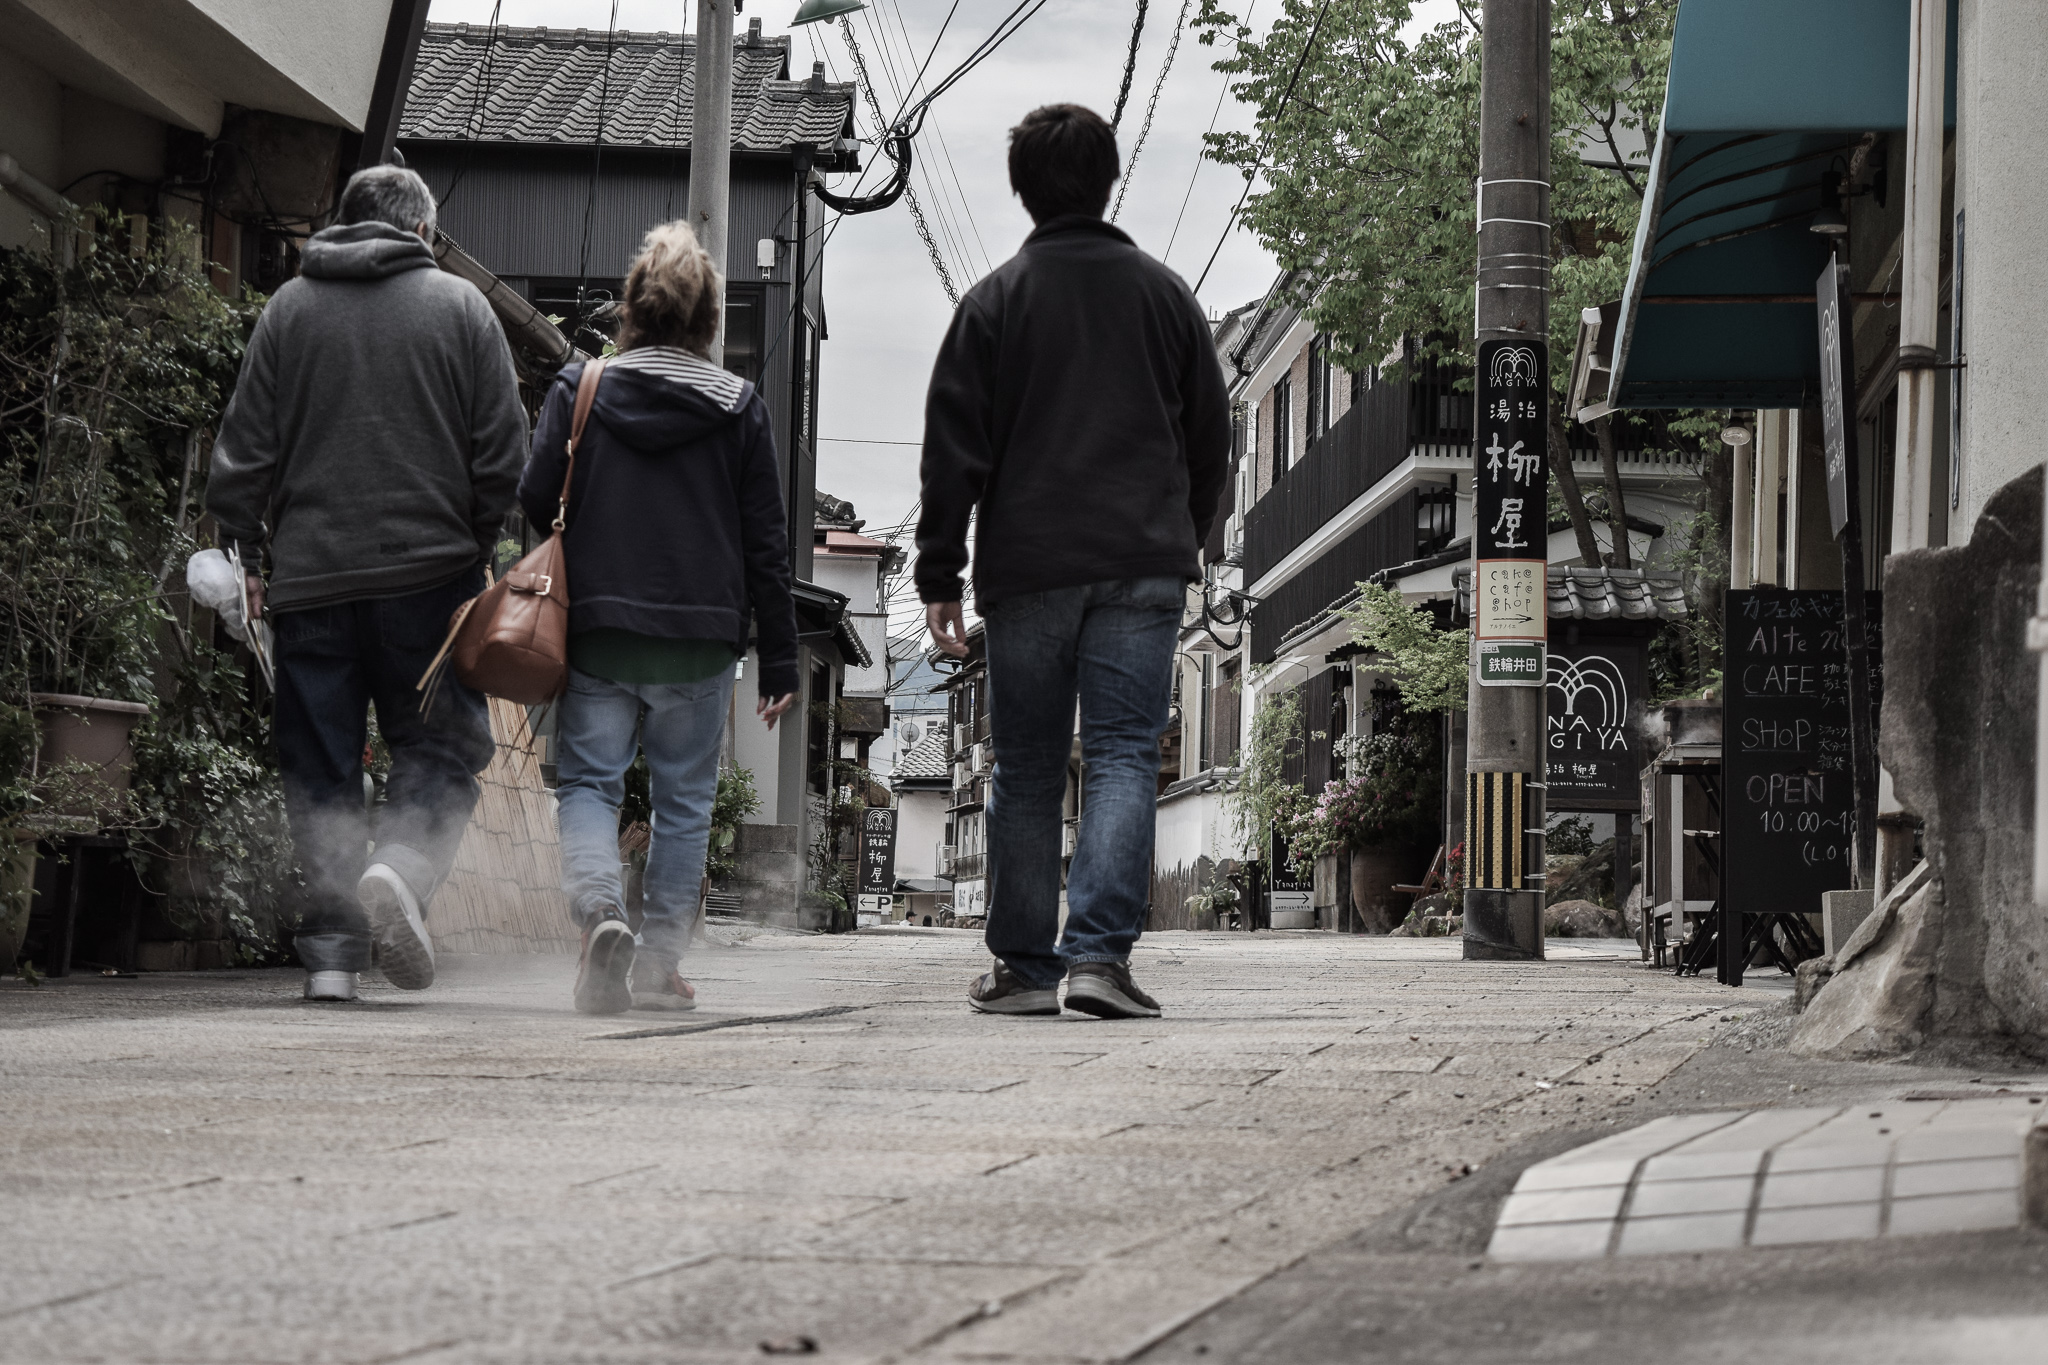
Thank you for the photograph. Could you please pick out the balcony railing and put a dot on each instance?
(967, 866)
(973, 794)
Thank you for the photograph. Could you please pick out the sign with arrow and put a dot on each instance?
(1508, 600)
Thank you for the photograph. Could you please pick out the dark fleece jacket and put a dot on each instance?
(375, 435)
(675, 524)
(1078, 400)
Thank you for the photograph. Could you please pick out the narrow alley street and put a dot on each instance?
(203, 1168)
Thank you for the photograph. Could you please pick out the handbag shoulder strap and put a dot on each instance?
(586, 394)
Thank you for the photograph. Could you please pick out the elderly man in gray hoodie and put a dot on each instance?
(372, 447)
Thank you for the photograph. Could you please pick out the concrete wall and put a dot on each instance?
(2002, 124)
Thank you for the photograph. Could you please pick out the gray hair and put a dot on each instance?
(388, 194)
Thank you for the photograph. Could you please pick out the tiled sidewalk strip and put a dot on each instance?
(1714, 1182)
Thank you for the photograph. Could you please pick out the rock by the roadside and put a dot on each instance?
(1582, 919)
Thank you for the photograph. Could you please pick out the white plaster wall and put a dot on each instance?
(1189, 827)
(328, 50)
(920, 830)
(2002, 68)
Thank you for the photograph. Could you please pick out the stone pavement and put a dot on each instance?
(202, 1168)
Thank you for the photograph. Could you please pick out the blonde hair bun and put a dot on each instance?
(673, 292)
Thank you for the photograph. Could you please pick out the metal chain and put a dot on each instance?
(867, 88)
(1151, 107)
(1130, 67)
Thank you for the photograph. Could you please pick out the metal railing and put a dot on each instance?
(967, 866)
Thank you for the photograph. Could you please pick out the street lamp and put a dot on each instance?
(816, 11)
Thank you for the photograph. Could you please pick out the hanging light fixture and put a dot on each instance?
(817, 11)
(1830, 222)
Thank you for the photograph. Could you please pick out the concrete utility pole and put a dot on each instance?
(711, 140)
(1504, 745)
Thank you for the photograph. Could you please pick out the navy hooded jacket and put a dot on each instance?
(676, 525)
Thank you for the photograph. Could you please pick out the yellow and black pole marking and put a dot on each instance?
(1495, 840)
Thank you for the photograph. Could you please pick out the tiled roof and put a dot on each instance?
(544, 85)
(927, 758)
(1581, 594)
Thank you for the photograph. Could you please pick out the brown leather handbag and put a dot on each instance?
(512, 639)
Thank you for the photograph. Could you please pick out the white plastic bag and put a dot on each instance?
(216, 584)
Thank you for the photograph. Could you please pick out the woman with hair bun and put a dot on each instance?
(675, 544)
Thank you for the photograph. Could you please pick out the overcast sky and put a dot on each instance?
(886, 310)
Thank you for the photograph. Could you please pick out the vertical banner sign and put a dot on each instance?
(1592, 759)
(1510, 530)
(1836, 376)
(877, 857)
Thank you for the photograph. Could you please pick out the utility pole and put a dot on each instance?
(711, 141)
(1504, 744)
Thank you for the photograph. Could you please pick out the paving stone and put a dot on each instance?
(1830, 1156)
(1817, 1223)
(1551, 1241)
(1954, 1213)
(1562, 1175)
(1944, 1142)
(1562, 1206)
(1686, 1232)
(1655, 1198)
(1686, 1164)
(1794, 1189)
(1955, 1177)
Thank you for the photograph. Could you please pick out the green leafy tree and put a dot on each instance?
(1369, 146)
(1428, 666)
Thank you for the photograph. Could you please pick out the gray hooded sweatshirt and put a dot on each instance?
(375, 437)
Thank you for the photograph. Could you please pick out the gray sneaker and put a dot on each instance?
(601, 986)
(331, 986)
(1002, 992)
(659, 985)
(1105, 990)
(397, 928)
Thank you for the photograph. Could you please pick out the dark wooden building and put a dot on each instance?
(553, 151)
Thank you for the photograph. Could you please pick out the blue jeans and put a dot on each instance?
(1111, 645)
(333, 663)
(602, 725)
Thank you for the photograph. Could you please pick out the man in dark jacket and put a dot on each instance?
(1077, 404)
(372, 447)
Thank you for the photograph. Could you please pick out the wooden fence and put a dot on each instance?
(504, 894)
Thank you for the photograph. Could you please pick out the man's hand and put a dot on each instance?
(948, 627)
(255, 597)
(771, 710)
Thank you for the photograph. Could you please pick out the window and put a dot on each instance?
(1436, 518)
(818, 761)
(1318, 391)
(1361, 380)
(1283, 424)
(744, 318)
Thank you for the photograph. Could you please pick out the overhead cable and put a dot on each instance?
(1130, 67)
(1202, 154)
(1151, 107)
(898, 151)
(1279, 109)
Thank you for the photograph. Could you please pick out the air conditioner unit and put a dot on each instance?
(978, 760)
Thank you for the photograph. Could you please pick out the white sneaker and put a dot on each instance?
(331, 986)
(403, 949)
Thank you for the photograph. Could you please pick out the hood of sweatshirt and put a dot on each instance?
(364, 251)
(653, 414)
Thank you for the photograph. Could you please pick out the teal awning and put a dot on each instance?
(1765, 97)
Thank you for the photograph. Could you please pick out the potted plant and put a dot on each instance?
(1381, 814)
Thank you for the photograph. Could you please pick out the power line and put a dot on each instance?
(1130, 67)
(1202, 154)
(1151, 107)
(1286, 95)
(939, 135)
(924, 230)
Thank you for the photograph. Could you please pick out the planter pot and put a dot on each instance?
(1374, 873)
(88, 739)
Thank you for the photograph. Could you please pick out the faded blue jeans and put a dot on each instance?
(602, 725)
(1111, 646)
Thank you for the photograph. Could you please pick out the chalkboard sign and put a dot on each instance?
(1788, 804)
(1592, 757)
